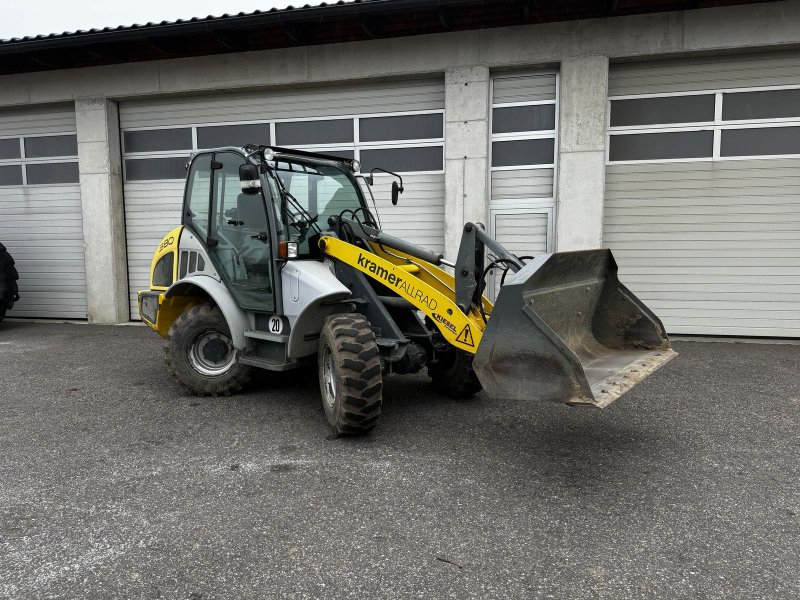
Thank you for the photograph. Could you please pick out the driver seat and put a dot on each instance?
(254, 253)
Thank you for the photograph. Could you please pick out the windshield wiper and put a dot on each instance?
(286, 195)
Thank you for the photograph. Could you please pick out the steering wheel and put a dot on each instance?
(303, 226)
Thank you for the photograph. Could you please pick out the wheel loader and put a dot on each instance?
(280, 261)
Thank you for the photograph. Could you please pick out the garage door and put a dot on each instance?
(40, 210)
(703, 191)
(523, 158)
(394, 125)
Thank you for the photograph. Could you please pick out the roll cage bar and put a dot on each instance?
(279, 151)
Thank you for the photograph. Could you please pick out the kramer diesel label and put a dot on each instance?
(444, 321)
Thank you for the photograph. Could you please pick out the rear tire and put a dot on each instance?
(9, 293)
(453, 375)
(350, 378)
(200, 354)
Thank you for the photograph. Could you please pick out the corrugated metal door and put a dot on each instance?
(395, 125)
(40, 210)
(702, 205)
(523, 233)
(523, 159)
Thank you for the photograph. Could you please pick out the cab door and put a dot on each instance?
(237, 231)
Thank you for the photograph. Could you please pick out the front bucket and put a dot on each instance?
(565, 329)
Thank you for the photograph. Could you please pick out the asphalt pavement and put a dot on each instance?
(116, 484)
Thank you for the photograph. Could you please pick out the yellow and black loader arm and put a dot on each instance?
(427, 287)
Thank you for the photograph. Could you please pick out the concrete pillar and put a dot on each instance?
(581, 152)
(466, 162)
(97, 122)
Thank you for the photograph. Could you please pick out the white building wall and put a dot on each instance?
(581, 153)
(40, 211)
(466, 162)
(578, 47)
(97, 125)
(711, 242)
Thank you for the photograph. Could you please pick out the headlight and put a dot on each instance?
(356, 166)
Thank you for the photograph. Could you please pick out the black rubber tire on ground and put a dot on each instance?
(350, 378)
(9, 292)
(197, 337)
(453, 375)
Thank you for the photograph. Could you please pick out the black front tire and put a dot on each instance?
(200, 355)
(453, 375)
(9, 292)
(350, 376)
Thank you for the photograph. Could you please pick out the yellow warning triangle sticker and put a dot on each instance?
(465, 337)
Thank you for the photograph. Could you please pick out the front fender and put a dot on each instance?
(310, 291)
(238, 320)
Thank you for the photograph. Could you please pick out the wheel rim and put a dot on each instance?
(328, 377)
(205, 355)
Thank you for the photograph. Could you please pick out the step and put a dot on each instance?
(263, 363)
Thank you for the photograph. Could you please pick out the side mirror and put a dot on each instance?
(397, 189)
(249, 179)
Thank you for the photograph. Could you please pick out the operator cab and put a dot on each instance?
(308, 193)
(233, 226)
(249, 206)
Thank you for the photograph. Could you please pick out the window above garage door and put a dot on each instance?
(712, 125)
(523, 121)
(405, 142)
(33, 160)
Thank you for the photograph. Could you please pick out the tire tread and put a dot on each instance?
(9, 291)
(356, 354)
(456, 377)
(198, 385)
